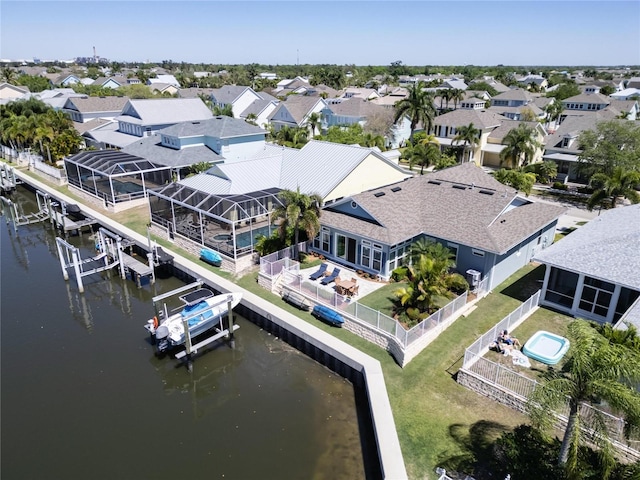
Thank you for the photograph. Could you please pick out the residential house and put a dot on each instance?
(490, 153)
(454, 83)
(489, 228)
(218, 139)
(633, 82)
(516, 104)
(322, 90)
(563, 147)
(10, 92)
(445, 128)
(260, 110)
(489, 80)
(110, 82)
(295, 111)
(539, 81)
(362, 93)
(164, 78)
(288, 86)
(65, 79)
(84, 109)
(594, 272)
(237, 96)
(586, 103)
(230, 205)
(140, 118)
(627, 94)
(391, 98)
(164, 88)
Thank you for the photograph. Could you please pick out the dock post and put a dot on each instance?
(151, 266)
(187, 343)
(232, 342)
(123, 274)
(65, 274)
(76, 269)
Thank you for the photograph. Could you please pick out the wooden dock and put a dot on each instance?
(65, 223)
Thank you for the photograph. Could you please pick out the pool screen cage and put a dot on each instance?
(115, 176)
(229, 224)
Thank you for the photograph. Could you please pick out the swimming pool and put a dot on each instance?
(546, 347)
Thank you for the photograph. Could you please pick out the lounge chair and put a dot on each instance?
(318, 273)
(331, 278)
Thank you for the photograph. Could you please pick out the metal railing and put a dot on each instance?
(273, 264)
(363, 313)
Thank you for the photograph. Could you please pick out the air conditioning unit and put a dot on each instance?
(473, 278)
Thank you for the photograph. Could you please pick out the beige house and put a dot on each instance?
(11, 92)
(490, 154)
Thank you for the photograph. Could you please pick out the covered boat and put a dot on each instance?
(203, 310)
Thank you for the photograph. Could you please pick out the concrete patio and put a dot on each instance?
(365, 287)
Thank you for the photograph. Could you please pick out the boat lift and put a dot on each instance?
(190, 348)
(8, 180)
(10, 211)
(110, 247)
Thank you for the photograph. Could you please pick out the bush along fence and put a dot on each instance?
(512, 389)
(364, 321)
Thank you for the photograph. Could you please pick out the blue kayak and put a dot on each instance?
(210, 257)
(328, 315)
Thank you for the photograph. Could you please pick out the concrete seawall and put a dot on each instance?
(334, 353)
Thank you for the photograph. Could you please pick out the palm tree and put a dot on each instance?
(8, 74)
(469, 135)
(423, 155)
(298, 211)
(457, 95)
(418, 106)
(313, 121)
(595, 369)
(251, 119)
(521, 146)
(609, 188)
(227, 110)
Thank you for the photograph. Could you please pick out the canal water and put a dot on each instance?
(84, 396)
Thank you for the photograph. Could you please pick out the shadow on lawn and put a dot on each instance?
(523, 288)
(476, 442)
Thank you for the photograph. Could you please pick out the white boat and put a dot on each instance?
(203, 310)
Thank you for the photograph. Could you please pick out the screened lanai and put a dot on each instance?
(115, 176)
(226, 223)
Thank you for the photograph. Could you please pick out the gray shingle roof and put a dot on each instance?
(98, 104)
(218, 127)
(605, 248)
(508, 125)
(151, 149)
(461, 204)
(256, 107)
(480, 118)
(355, 107)
(596, 98)
(167, 111)
(298, 106)
(228, 94)
(515, 94)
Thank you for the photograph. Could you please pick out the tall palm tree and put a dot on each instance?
(595, 369)
(521, 146)
(608, 189)
(9, 75)
(418, 106)
(227, 110)
(469, 136)
(298, 212)
(457, 95)
(423, 155)
(312, 122)
(251, 119)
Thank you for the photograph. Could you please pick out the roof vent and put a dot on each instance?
(378, 194)
(219, 118)
(434, 182)
(396, 189)
(487, 192)
(195, 123)
(459, 187)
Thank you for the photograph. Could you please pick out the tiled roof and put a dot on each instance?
(461, 204)
(605, 248)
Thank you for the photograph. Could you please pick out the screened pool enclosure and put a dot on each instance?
(115, 176)
(228, 224)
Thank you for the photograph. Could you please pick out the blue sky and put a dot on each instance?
(455, 32)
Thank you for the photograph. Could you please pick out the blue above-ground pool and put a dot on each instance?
(546, 347)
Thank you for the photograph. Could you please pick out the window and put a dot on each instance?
(326, 240)
(453, 248)
(596, 296)
(477, 253)
(561, 287)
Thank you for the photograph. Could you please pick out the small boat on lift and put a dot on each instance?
(202, 311)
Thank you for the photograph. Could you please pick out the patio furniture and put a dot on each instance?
(319, 273)
(331, 278)
(345, 287)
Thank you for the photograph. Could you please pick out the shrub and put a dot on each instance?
(560, 186)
